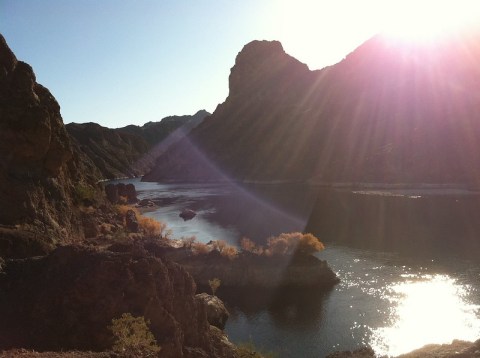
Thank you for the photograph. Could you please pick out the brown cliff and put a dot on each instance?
(39, 172)
(66, 300)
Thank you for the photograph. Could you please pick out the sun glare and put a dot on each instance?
(428, 310)
(425, 20)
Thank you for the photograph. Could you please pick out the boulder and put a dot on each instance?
(187, 214)
(131, 193)
(112, 193)
(131, 221)
(217, 314)
(145, 203)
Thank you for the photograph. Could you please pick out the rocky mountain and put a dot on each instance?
(130, 151)
(41, 177)
(391, 111)
(58, 290)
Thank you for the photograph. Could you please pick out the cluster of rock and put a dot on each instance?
(120, 192)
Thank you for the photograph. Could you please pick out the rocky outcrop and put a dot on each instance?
(132, 150)
(389, 112)
(456, 349)
(187, 214)
(66, 300)
(217, 314)
(116, 193)
(364, 352)
(41, 176)
(254, 271)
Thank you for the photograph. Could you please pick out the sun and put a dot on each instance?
(426, 20)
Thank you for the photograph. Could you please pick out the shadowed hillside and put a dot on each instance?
(391, 111)
(132, 150)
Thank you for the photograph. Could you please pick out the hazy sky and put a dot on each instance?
(117, 62)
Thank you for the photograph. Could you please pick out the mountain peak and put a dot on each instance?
(259, 64)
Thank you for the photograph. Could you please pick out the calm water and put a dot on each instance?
(413, 293)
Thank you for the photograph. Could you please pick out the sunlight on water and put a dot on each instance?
(426, 309)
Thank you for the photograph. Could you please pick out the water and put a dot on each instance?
(412, 294)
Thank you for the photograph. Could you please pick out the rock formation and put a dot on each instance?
(66, 300)
(40, 175)
(251, 271)
(130, 151)
(389, 112)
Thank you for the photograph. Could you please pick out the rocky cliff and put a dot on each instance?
(67, 300)
(130, 151)
(56, 291)
(391, 111)
(40, 174)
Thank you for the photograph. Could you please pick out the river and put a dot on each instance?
(400, 288)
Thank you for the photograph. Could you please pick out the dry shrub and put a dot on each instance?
(247, 245)
(309, 244)
(188, 241)
(229, 252)
(295, 242)
(214, 285)
(199, 248)
(151, 226)
(219, 245)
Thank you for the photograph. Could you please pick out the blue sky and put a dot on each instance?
(118, 62)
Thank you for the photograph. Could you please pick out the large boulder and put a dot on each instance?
(217, 313)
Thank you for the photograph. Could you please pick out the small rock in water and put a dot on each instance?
(187, 214)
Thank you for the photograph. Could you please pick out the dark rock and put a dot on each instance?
(112, 193)
(122, 189)
(131, 193)
(131, 222)
(145, 203)
(66, 300)
(39, 169)
(217, 314)
(364, 352)
(263, 272)
(456, 349)
(187, 214)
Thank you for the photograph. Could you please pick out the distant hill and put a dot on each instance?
(390, 112)
(130, 151)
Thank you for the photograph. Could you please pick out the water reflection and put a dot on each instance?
(426, 309)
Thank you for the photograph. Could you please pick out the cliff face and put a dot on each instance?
(130, 151)
(389, 112)
(38, 166)
(111, 151)
(66, 300)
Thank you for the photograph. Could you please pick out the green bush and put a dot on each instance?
(133, 337)
(84, 193)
